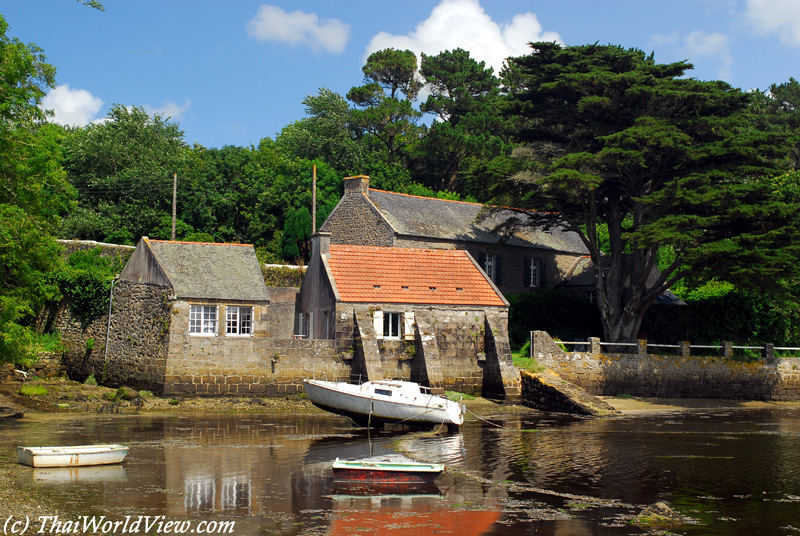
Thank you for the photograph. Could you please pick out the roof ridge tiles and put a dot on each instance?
(463, 202)
(199, 243)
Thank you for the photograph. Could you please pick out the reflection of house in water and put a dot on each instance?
(201, 494)
(235, 492)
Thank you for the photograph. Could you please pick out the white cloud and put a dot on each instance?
(169, 110)
(464, 24)
(781, 17)
(74, 107)
(715, 46)
(697, 45)
(271, 23)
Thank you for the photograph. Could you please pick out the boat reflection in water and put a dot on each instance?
(385, 489)
(87, 474)
(402, 515)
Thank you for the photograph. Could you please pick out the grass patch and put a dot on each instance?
(527, 363)
(146, 394)
(33, 390)
(455, 395)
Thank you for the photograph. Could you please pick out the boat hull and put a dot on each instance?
(72, 456)
(369, 472)
(366, 408)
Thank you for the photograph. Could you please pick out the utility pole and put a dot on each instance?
(174, 199)
(314, 200)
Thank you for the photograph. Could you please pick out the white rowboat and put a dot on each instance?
(72, 456)
(385, 401)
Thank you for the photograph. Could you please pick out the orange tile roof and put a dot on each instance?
(409, 275)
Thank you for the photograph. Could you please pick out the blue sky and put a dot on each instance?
(234, 72)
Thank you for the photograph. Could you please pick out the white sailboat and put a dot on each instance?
(385, 401)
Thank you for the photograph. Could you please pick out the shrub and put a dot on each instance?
(91, 380)
(86, 281)
(282, 276)
(561, 314)
(33, 390)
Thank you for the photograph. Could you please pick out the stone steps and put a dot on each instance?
(547, 391)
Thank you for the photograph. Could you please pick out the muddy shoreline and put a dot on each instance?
(67, 397)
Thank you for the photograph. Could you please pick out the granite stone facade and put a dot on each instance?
(138, 336)
(671, 376)
(368, 217)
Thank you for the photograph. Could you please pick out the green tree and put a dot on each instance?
(291, 235)
(327, 134)
(464, 97)
(33, 194)
(126, 162)
(616, 140)
(778, 109)
(381, 111)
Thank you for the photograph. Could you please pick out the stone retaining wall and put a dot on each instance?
(137, 339)
(668, 376)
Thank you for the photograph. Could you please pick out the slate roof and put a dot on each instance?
(581, 273)
(458, 220)
(366, 274)
(213, 271)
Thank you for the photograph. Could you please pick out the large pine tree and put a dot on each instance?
(621, 143)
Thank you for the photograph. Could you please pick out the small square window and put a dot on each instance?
(391, 325)
(238, 320)
(203, 320)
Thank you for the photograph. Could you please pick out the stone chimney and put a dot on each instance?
(320, 244)
(357, 184)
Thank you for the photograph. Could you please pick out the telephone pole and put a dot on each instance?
(174, 199)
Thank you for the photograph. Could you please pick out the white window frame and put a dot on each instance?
(305, 325)
(392, 327)
(535, 274)
(239, 321)
(489, 265)
(203, 320)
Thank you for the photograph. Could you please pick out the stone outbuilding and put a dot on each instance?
(518, 258)
(419, 314)
(187, 313)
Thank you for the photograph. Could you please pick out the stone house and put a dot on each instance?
(210, 303)
(517, 258)
(419, 314)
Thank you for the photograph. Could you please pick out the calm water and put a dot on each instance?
(733, 471)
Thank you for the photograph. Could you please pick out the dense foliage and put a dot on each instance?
(33, 194)
(616, 141)
(651, 167)
(86, 281)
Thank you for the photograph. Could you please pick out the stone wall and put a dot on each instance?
(281, 312)
(355, 221)
(137, 338)
(258, 367)
(464, 349)
(106, 250)
(453, 348)
(670, 376)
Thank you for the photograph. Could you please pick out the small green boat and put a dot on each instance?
(376, 471)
